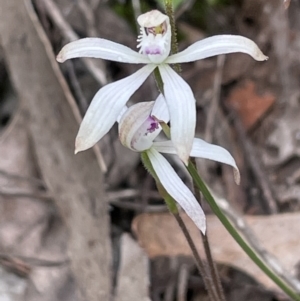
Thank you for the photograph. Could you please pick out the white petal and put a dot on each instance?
(106, 107)
(103, 49)
(202, 149)
(160, 110)
(216, 45)
(177, 189)
(182, 109)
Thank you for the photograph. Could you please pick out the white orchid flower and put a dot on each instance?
(139, 126)
(154, 43)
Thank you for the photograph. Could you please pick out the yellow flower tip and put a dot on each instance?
(260, 56)
(183, 155)
(184, 159)
(79, 147)
(60, 58)
(237, 176)
(263, 57)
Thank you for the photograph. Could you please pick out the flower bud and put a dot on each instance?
(137, 129)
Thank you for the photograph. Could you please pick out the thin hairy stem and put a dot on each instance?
(216, 282)
(171, 204)
(174, 44)
(199, 263)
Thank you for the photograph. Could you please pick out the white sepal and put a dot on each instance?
(177, 189)
(202, 149)
(160, 110)
(103, 49)
(106, 106)
(220, 44)
(182, 109)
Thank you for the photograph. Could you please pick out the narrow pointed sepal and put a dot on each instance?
(216, 45)
(101, 48)
(106, 106)
(182, 109)
(202, 149)
(177, 189)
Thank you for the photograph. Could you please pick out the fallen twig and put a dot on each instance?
(37, 195)
(68, 33)
(182, 287)
(213, 108)
(255, 165)
(16, 177)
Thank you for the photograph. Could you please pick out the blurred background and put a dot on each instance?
(93, 226)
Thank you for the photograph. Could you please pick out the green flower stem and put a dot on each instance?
(170, 13)
(236, 236)
(158, 80)
(214, 272)
(174, 44)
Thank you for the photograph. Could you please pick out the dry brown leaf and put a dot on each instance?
(159, 235)
(249, 104)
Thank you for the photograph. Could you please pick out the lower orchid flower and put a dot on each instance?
(139, 126)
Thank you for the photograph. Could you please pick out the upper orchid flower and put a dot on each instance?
(154, 44)
(139, 126)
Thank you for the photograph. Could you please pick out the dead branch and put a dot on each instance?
(37, 195)
(68, 33)
(16, 177)
(183, 277)
(255, 165)
(75, 182)
(213, 108)
(88, 15)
